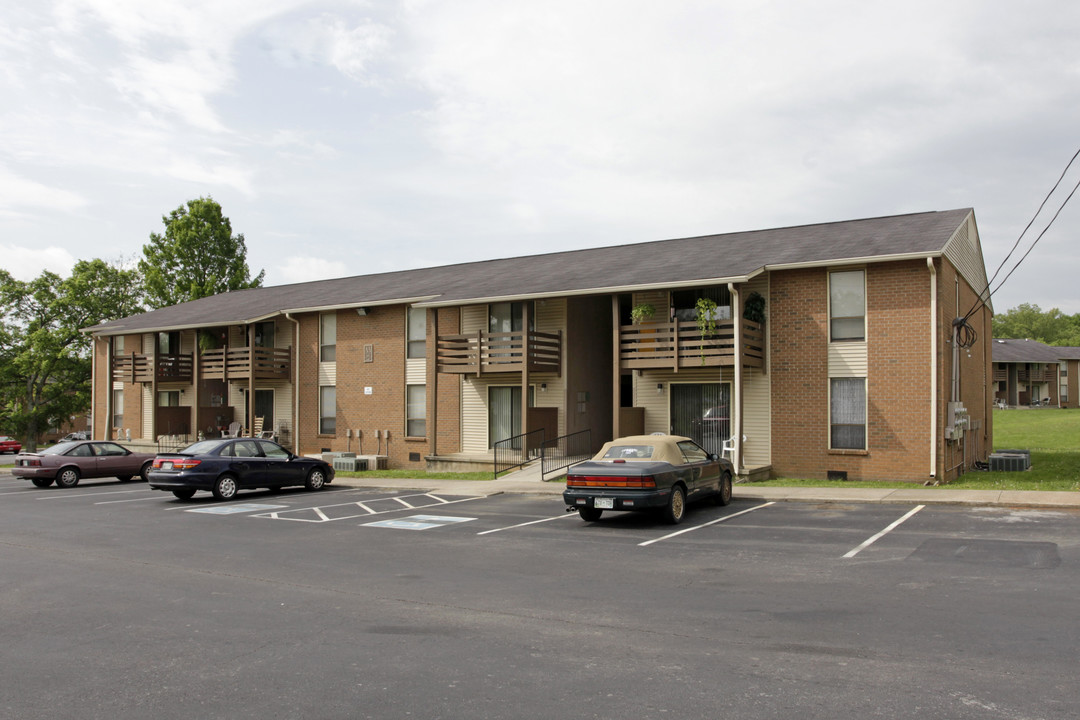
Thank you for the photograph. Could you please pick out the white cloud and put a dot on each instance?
(297, 269)
(19, 192)
(27, 263)
(331, 40)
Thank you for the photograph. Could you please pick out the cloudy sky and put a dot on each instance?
(345, 138)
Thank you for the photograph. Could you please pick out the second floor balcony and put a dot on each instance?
(500, 352)
(145, 368)
(680, 344)
(246, 363)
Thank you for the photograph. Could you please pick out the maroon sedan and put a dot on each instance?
(68, 462)
(9, 444)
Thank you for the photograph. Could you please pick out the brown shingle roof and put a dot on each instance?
(665, 263)
(1007, 350)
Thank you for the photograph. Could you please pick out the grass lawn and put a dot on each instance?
(418, 475)
(1051, 434)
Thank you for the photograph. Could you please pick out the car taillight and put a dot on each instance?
(607, 481)
(176, 463)
(32, 462)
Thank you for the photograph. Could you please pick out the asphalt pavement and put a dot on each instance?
(528, 482)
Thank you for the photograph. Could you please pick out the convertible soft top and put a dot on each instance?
(644, 448)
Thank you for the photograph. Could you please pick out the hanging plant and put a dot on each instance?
(706, 321)
(754, 309)
(641, 313)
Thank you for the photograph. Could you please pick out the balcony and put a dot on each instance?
(139, 368)
(500, 352)
(245, 363)
(680, 344)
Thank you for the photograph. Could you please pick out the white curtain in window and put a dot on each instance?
(848, 413)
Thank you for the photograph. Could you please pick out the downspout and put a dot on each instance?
(933, 365)
(736, 400)
(110, 349)
(296, 384)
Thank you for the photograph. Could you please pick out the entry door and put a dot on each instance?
(264, 408)
(504, 412)
(702, 412)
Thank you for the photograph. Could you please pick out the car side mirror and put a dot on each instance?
(714, 457)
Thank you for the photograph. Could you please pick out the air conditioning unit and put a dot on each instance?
(345, 464)
(1010, 461)
(329, 457)
(374, 462)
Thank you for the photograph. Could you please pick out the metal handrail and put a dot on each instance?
(564, 451)
(517, 450)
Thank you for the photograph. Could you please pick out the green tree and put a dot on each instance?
(1026, 320)
(198, 256)
(46, 365)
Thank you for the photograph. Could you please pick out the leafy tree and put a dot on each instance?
(1052, 327)
(198, 256)
(46, 365)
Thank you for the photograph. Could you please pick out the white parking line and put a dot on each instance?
(883, 533)
(323, 517)
(155, 496)
(65, 495)
(698, 527)
(531, 522)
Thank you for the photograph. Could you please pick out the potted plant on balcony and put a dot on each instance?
(706, 321)
(641, 313)
(754, 308)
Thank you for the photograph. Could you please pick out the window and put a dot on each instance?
(168, 398)
(118, 345)
(847, 414)
(328, 337)
(1063, 393)
(168, 343)
(328, 410)
(417, 333)
(507, 317)
(416, 410)
(1063, 368)
(847, 306)
(118, 408)
(264, 334)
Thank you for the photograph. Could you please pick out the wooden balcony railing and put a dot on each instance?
(499, 352)
(680, 344)
(1035, 375)
(1000, 374)
(139, 367)
(245, 363)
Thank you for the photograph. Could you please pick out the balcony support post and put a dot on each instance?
(616, 369)
(525, 369)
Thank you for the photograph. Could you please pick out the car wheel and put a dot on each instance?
(315, 479)
(724, 496)
(42, 482)
(676, 505)
(225, 487)
(589, 514)
(144, 472)
(184, 494)
(68, 477)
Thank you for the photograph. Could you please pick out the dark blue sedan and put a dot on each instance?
(225, 467)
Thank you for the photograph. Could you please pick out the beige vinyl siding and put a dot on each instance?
(964, 252)
(757, 391)
(756, 418)
(473, 318)
(474, 416)
(283, 405)
(416, 371)
(551, 318)
(848, 359)
(236, 400)
(659, 299)
(327, 373)
(148, 405)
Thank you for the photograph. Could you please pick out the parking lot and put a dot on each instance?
(360, 602)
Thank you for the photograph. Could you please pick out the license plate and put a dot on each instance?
(166, 466)
(604, 503)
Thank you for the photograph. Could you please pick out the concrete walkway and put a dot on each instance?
(528, 482)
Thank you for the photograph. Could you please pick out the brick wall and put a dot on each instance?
(383, 328)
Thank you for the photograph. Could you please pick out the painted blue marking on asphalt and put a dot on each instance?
(438, 518)
(233, 509)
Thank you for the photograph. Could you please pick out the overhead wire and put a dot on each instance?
(966, 334)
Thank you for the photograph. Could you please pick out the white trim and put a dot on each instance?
(614, 289)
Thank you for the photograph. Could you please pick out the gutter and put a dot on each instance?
(933, 364)
(296, 383)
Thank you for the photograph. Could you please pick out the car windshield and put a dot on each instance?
(58, 448)
(203, 447)
(629, 452)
